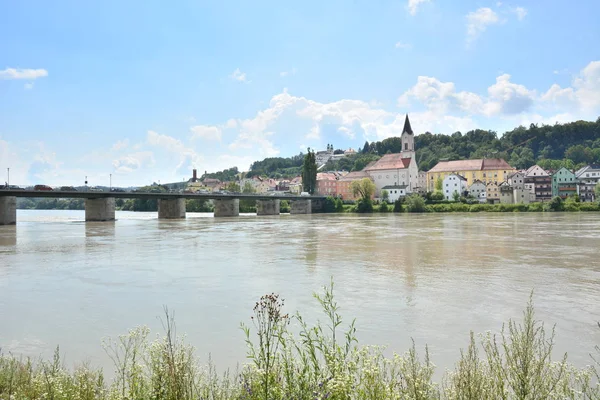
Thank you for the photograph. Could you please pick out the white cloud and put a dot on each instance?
(587, 86)
(520, 12)
(187, 157)
(239, 76)
(478, 21)
(287, 73)
(15, 73)
(402, 45)
(206, 132)
(413, 5)
(120, 145)
(28, 86)
(314, 133)
(132, 162)
(231, 124)
(508, 98)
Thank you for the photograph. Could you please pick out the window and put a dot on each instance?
(405, 146)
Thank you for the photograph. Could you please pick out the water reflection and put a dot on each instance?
(96, 231)
(8, 236)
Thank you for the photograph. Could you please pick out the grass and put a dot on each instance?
(322, 361)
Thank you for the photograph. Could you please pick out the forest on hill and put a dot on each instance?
(571, 145)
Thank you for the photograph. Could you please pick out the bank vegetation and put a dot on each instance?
(320, 361)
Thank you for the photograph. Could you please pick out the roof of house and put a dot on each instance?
(495, 163)
(407, 127)
(534, 167)
(389, 161)
(477, 181)
(480, 164)
(352, 176)
(515, 173)
(462, 178)
(326, 176)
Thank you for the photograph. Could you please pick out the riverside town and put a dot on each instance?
(232, 200)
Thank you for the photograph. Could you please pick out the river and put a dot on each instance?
(429, 277)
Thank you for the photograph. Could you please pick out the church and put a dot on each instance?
(397, 173)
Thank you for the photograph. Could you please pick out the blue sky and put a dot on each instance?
(147, 90)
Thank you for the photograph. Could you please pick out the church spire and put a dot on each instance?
(407, 127)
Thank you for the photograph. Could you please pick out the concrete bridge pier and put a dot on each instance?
(317, 205)
(300, 207)
(8, 210)
(100, 209)
(267, 207)
(227, 207)
(171, 208)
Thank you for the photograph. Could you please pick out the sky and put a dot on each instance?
(143, 91)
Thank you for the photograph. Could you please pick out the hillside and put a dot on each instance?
(551, 146)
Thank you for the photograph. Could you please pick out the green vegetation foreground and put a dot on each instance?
(321, 362)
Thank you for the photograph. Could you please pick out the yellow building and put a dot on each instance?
(486, 170)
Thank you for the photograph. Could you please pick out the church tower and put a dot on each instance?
(408, 140)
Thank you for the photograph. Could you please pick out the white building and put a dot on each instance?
(454, 183)
(398, 169)
(395, 192)
(517, 180)
(587, 179)
(478, 190)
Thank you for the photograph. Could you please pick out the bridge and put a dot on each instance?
(100, 206)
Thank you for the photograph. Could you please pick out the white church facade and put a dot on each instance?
(399, 169)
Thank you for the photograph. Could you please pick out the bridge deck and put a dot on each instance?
(147, 195)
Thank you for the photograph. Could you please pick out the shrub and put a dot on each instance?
(383, 207)
(339, 205)
(329, 204)
(284, 206)
(536, 207)
(556, 204)
(589, 207)
(415, 204)
(364, 206)
(398, 206)
(572, 206)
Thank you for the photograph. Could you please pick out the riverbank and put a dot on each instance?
(322, 361)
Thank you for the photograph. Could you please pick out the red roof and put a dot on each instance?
(480, 164)
(389, 161)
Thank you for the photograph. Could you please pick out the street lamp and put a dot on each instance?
(86, 183)
(110, 183)
(8, 177)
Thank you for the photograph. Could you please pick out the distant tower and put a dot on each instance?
(408, 140)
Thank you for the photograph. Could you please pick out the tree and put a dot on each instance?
(365, 148)
(385, 195)
(364, 188)
(556, 204)
(309, 172)
(233, 187)
(456, 196)
(415, 203)
(597, 190)
(248, 188)
(439, 184)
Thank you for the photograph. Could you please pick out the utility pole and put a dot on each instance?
(110, 183)
(8, 177)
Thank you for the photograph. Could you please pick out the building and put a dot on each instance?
(485, 170)
(478, 191)
(564, 183)
(454, 183)
(517, 180)
(344, 184)
(211, 182)
(492, 192)
(327, 184)
(587, 177)
(542, 182)
(296, 185)
(397, 169)
(422, 183)
(395, 192)
(506, 193)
